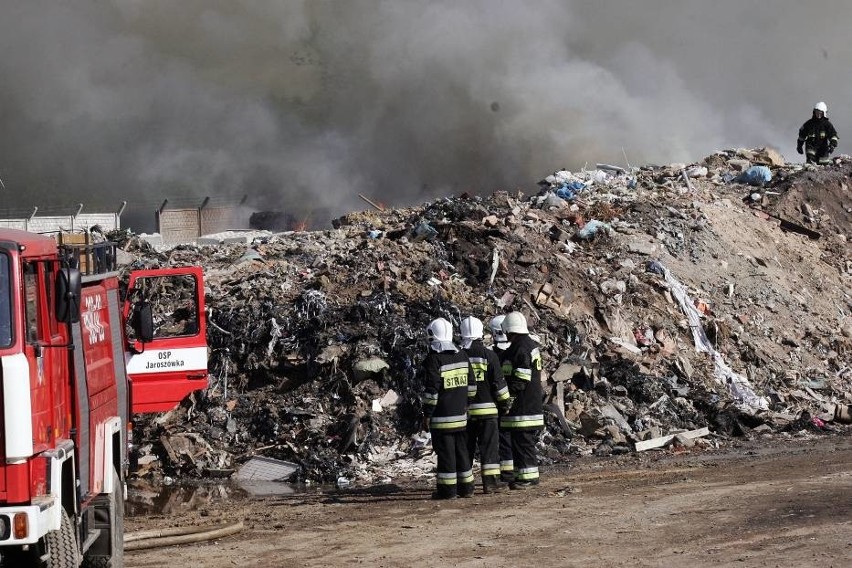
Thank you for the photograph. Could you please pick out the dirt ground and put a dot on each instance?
(785, 503)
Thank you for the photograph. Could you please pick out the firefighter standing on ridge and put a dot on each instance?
(448, 383)
(491, 391)
(499, 346)
(526, 415)
(817, 136)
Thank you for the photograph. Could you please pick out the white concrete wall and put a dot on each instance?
(55, 223)
(20, 224)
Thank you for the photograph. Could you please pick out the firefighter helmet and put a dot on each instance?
(515, 323)
(440, 333)
(496, 327)
(471, 330)
(440, 330)
(821, 106)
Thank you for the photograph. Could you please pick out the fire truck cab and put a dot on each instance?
(76, 362)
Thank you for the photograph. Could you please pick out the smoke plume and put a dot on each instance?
(303, 104)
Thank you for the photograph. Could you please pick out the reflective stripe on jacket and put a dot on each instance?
(491, 388)
(448, 382)
(523, 357)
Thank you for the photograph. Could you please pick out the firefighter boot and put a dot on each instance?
(491, 484)
(444, 492)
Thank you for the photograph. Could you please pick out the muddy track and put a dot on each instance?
(789, 504)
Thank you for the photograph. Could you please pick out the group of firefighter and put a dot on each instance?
(489, 400)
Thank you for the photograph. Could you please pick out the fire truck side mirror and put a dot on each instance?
(68, 291)
(145, 322)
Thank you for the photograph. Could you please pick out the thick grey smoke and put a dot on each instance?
(302, 104)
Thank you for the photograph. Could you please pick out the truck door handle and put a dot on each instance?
(196, 375)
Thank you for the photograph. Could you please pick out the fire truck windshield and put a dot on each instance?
(5, 302)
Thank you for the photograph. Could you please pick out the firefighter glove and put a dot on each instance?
(799, 148)
(425, 424)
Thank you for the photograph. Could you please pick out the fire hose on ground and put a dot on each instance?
(178, 535)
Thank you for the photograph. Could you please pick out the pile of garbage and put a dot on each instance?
(671, 307)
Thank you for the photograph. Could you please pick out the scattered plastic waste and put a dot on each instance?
(266, 469)
(343, 482)
(755, 175)
(570, 190)
(591, 229)
(250, 255)
(552, 201)
(697, 172)
(600, 176)
(656, 267)
(424, 232)
(738, 385)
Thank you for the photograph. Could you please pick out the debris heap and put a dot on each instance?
(667, 300)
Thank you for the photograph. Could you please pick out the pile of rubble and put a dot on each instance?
(668, 300)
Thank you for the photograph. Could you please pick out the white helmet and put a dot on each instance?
(500, 340)
(496, 327)
(440, 330)
(471, 330)
(821, 106)
(515, 323)
(440, 333)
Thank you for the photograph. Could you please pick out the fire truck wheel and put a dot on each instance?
(116, 536)
(62, 545)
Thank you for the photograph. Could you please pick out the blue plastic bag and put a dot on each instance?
(570, 190)
(755, 175)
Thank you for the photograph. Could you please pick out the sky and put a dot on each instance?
(301, 105)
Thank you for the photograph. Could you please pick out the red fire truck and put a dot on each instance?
(76, 362)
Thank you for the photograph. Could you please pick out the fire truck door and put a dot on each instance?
(45, 348)
(166, 361)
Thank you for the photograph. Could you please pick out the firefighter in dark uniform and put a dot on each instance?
(526, 415)
(491, 392)
(448, 384)
(817, 137)
(499, 346)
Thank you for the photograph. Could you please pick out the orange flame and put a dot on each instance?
(302, 225)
